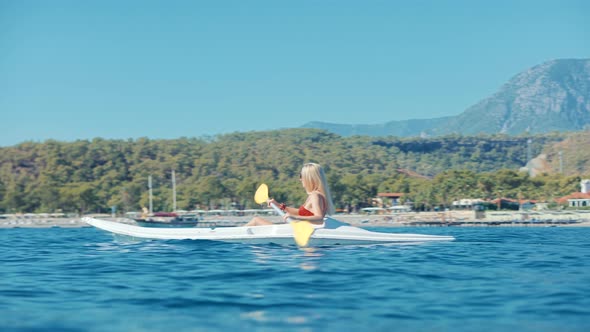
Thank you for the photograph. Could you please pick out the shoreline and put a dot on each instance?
(409, 219)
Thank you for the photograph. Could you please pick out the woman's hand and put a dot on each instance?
(271, 201)
(287, 215)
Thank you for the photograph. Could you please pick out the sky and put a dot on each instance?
(74, 70)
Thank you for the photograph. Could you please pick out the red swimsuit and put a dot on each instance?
(304, 212)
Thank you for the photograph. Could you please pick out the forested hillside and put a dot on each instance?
(575, 150)
(92, 176)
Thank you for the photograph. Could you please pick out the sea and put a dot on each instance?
(488, 279)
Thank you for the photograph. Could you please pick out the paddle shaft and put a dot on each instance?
(279, 211)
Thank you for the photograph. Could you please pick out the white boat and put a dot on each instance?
(332, 232)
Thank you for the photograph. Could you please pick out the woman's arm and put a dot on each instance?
(291, 210)
(316, 209)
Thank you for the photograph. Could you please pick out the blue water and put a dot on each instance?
(490, 279)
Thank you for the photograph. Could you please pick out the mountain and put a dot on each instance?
(553, 96)
(405, 128)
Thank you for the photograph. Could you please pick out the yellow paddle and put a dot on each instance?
(302, 230)
(261, 195)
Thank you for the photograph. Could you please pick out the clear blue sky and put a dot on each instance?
(165, 69)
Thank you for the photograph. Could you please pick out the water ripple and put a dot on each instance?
(530, 279)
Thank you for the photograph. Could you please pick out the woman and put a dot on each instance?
(316, 206)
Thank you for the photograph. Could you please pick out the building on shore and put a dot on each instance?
(467, 203)
(392, 203)
(579, 199)
(515, 204)
(394, 198)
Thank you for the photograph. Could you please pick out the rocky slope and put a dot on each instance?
(553, 96)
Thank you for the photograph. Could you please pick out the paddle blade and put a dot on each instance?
(302, 231)
(261, 195)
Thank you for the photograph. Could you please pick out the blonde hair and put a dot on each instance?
(314, 178)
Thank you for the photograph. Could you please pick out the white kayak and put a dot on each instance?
(332, 232)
